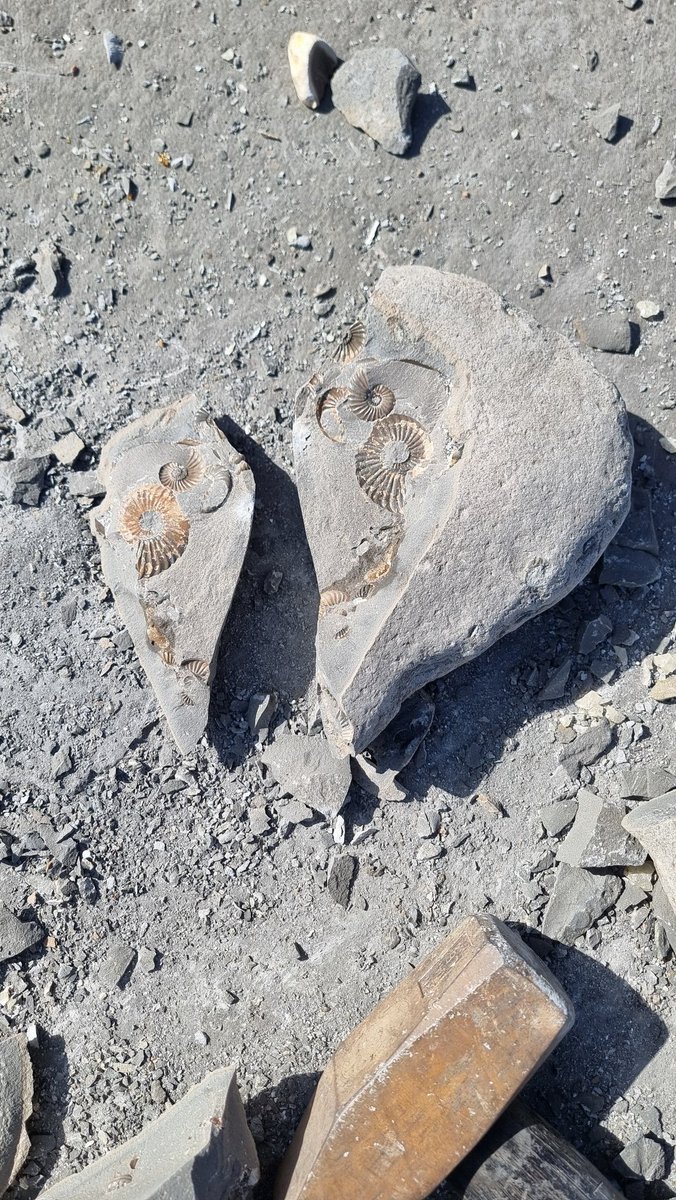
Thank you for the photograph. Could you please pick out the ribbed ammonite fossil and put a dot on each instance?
(368, 401)
(152, 521)
(396, 447)
(350, 342)
(180, 477)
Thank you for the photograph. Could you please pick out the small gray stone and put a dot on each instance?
(606, 122)
(634, 783)
(115, 966)
(259, 822)
(199, 1149)
(650, 310)
(629, 568)
(375, 90)
(43, 150)
(16, 1106)
(463, 79)
(594, 634)
(15, 935)
(22, 479)
(587, 748)
(260, 712)
(294, 812)
(665, 184)
(610, 332)
(307, 769)
(428, 823)
(638, 531)
(658, 782)
(642, 1159)
(555, 686)
(664, 913)
(147, 959)
(114, 48)
(341, 878)
(48, 259)
(597, 838)
(85, 483)
(556, 817)
(654, 824)
(578, 900)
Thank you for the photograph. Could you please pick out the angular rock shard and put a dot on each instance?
(199, 1149)
(459, 470)
(173, 530)
(375, 90)
(312, 62)
(309, 770)
(16, 1106)
(654, 825)
(412, 1090)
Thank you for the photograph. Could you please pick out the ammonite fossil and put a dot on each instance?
(350, 342)
(330, 597)
(328, 417)
(396, 447)
(180, 477)
(152, 521)
(197, 667)
(369, 402)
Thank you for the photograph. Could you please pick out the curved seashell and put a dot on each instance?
(397, 446)
(180, 477)
(331, 597)
(197, 667)
(328, 417)
(350, 342)
(312, 63)
(369, 402)
(152, 521)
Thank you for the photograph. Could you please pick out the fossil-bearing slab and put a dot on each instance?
(460, 469)
(173, 530)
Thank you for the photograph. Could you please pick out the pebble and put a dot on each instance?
(665, 184)
(555, 196)
(375, 90)
(463, 79)
(428, 823)
(68, 448)
(341, 878)
(43, 150)
(606, 122)
(555, 687)
(22, 479)
(594, 634)
(114, 48)
(648, 309)
(610, 332)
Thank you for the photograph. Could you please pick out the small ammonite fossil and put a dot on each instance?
(152, 521)
(350, 342)
(369, 402)
(328, 417)
(396, 447)
(197, 667)
(180, 477)
(331, 597)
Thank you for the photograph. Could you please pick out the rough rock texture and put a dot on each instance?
(665, 184)
(579, 898)
(459, 470)
(610, 332)
(16, 1106)
(312, 62)
(654, 824)
(412, 1089)
(173, 530)
(607, 121)
(375, 91)
(597, 838)
(15, 935)
(22, 479)
(199, 1149)
(308, 769)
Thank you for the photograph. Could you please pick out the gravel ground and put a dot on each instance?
(241, 955)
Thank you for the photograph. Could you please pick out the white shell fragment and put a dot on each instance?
(312, 63)
(173, 530)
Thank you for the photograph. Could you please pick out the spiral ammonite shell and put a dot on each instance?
(350, 342)
(152, 521)
(180, 477)
(369, 402)
(328, 417)
(396, 447)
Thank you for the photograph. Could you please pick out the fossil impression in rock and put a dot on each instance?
(460, 469)
(173, 530)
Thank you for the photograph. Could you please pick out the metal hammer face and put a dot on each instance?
(413, 1088)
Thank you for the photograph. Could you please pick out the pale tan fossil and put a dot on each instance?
(368, 401)
(181, 477)
(350, 342)
(155, 525)
(397, 446)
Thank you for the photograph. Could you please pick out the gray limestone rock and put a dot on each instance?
(610, 332)
(654, 824)
(558, 816)
(578, 900)
(642, 1159)
(383, 784)
(665, 913)
(16, 1106)
(420, 565)
(555, 686)
(594, 634)
(375, 90)
(638, 531)
(15, 935)
(606, 122)
(597, 838)
(199, 1149)
(629, 568)
(48, 260)
(665, 184)
(634, 782)
(173, 530)
(587, 747)
(341, 878)
(22, 479)
(307, 769)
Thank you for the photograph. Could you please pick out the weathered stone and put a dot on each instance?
(654, 824)
(638, 531)
(85, 483)
(375, 90)
(642, 1159)
(658, 781)
(15, 935)
(610, 332)
(199, 1149)
(594, 634)
(664, 689)
(665, 913)
(16, 1106)
(555, 686)
(68, 448)
(408, 543)
(173, 530)
(22, 479)
(307, 769)
(556, 817)
(116, 965)
(48, 261)
(629, 568)
(606, 122)
(665, 184)
(416, 1085)
(394, 748)
(341, 877)
(587, 747)
(383, 784)
(312, 62)
(598, 838)
(634, 783)
(578, 900)
(650, 310)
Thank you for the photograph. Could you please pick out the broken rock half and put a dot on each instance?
(173, 530)
(460, 469)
